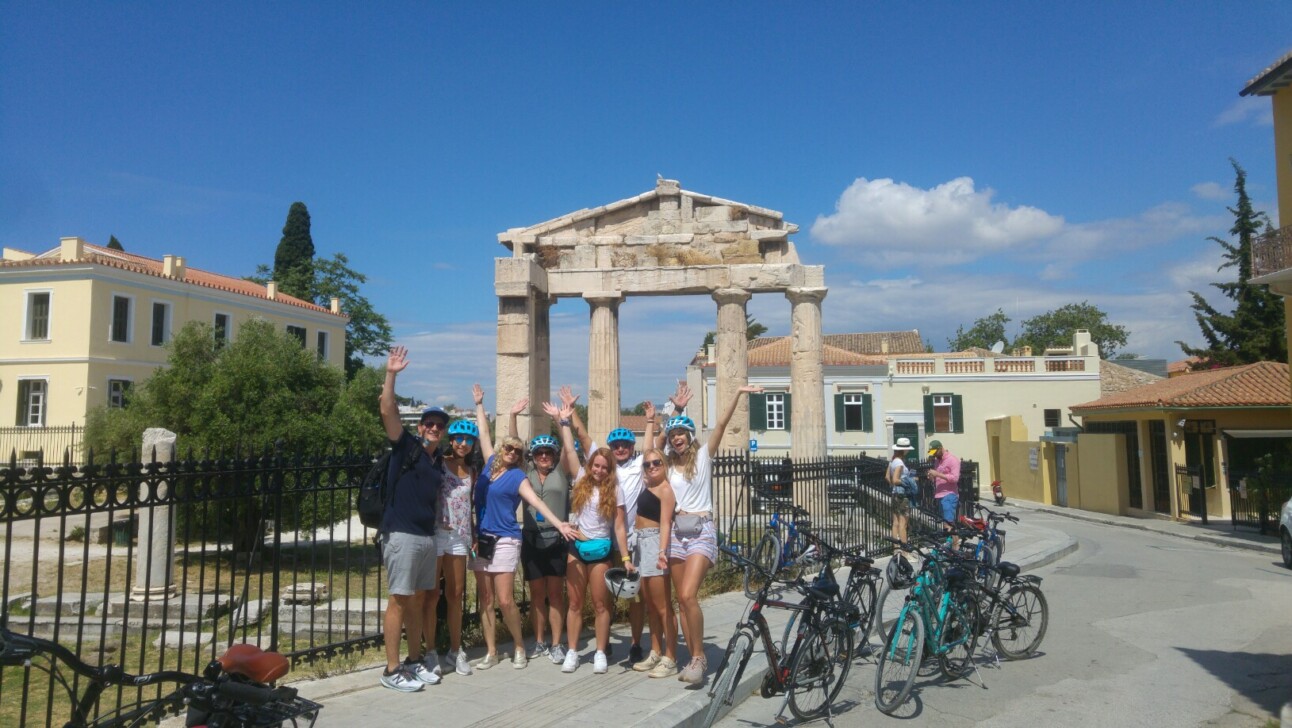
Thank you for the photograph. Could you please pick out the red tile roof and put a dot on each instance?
(152, 266)
(1263, 384)
(777, 354)
(874, 342)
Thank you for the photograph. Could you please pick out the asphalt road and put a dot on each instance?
(1145, 630)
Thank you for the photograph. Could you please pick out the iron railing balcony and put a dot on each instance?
(1272, 252)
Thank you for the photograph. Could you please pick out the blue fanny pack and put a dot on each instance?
(594, 549)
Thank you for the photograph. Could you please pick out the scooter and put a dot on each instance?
(998, 492)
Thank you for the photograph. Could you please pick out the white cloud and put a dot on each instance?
(1210, 191)
(953, 222)
(1167, 221)
(1256, 110)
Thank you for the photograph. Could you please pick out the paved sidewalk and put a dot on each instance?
(541, 695)
(1217, 532)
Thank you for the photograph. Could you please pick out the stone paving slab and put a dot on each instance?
(541, 695)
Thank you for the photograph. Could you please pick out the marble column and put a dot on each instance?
(603, 363)
(731, 349)
(154, 565)
(807, 382)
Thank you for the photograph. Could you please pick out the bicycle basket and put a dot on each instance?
(900, 573)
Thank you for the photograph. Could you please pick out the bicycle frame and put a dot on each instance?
(928, 587)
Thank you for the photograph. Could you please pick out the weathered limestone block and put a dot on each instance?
(641, 239)
(677, 239)
(584, 256)
(513, 338)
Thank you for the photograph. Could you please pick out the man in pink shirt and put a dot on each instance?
(945, 475)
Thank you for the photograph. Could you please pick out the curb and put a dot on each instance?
(1203, 537)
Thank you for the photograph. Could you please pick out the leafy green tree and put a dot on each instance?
(294, 258)
(753, 330)
(115, 244)
(640, 409)
(984, 333)
(1255, 330)
(1055, 329)
(259, 392)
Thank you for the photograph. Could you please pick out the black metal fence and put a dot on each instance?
(26, 445)
(1255, 498)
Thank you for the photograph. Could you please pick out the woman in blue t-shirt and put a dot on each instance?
(499, 491)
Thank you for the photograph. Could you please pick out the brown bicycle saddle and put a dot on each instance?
(254, 663)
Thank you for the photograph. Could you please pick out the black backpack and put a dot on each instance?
(376, 488)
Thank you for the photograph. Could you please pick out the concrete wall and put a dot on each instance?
(1011, 461)
(1101, 485)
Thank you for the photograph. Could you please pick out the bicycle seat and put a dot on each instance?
(1007, 570)
(254, 663)
(822, 590)
(974, 523)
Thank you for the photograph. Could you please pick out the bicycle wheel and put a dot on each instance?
(766, 556)
(843, 649)
(861, 594)
(1020, 622)
(899, 662)
(814, 671)
(728, 674)
(959, 637)
(887, 596)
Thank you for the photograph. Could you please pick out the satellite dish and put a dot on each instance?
(998, 347)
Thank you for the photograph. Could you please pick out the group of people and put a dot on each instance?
(639, 514)
(945, 476)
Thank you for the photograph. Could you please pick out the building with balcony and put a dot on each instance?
(84, 323)
(1272, 252)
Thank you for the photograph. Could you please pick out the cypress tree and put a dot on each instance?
(115, 244)
(1255, 330)
(294, 258)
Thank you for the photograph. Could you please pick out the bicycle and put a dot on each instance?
(232, 692)
(1014, 619)
(811, 673)
(990, 546)
(783, 546)
(939, 617)
(859, 590)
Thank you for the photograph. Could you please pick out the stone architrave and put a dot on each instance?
(807, 383)
(731, 346)
(603, 362)
(154, 565)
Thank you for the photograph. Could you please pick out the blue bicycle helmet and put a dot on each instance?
(464, 427)
(621, 434)
(542, 441)
(681, 421)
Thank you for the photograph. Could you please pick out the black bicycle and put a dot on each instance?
(232, 692)
(859, 591)
(811, 672)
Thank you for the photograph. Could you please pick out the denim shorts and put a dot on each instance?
(949, 504)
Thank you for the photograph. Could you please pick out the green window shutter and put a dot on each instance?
(24, 391)
(757, 412)
(838, 413)
(788, 409)
(928, 413)
(957, 414)
(867, 413)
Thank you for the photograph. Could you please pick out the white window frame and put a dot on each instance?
(775, 411)
(946, 401)
(860, 404)
(44, 403)
(26, 315)
(130, 319)
(228, 327)
(321, 343)
(130, 383)
(166, 323)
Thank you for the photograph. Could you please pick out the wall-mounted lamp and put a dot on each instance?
(925, 389)
(1180, 423)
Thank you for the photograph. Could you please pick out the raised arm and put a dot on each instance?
(715, 440)
(516, 409)
(482, 422)
(568, 398)
(648, 408)
(569, 460)
(395, 363)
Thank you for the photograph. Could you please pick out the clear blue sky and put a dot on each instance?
(942, 159)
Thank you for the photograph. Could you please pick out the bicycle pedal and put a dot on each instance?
(782, 720)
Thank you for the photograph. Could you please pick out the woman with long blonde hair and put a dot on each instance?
(597, 514)
(655, 507)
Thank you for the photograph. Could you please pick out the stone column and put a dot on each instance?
(154, 565)
(731, 348)
(603, 363)
(536, 420)
(807, 382)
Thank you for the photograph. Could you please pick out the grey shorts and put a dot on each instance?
(409, 561)
(646, 555)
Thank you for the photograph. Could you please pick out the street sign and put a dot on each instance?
(753, 446)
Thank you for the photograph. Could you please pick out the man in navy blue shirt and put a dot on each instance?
(408, 530)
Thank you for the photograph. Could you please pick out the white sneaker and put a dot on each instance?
(518, 659)
(541, 649)
(432, 662)
(402, 681)
(419, 670)
(600, 663)
(556, 655)
(571, 662)
(463, 666)
(486, 662)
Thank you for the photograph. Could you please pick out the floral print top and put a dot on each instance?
(455, 504)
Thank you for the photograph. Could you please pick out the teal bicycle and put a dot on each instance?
(939, 619)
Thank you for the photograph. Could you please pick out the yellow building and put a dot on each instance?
(83, 323)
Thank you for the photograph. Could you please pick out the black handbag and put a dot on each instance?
(485, 544)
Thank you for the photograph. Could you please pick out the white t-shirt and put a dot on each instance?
(630, 485)
(695, 495)
(588, 520)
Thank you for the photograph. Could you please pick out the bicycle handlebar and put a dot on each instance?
(16, 649)
(996, 515)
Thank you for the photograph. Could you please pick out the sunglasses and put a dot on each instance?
(621, 443)
(544, 453)
(510, 448)
(652, 463)
(436, 424)
(463, 440)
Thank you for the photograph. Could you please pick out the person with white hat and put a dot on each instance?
(901, 499)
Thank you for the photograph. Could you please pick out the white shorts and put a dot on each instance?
(451, 543)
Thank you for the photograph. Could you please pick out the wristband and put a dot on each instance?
(565, 423)
(627, 560)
